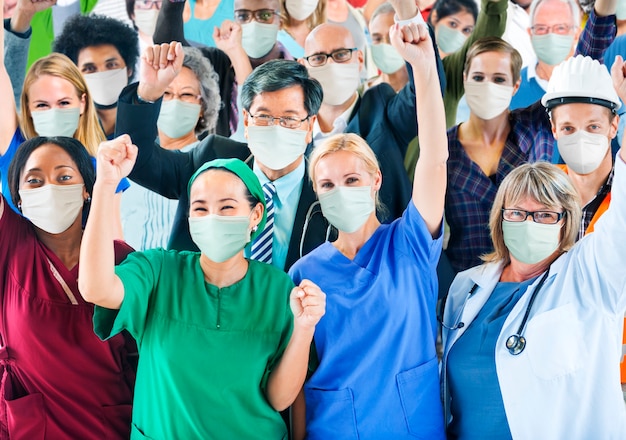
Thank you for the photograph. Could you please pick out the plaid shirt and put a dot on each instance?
(471, 192)
(589, 210)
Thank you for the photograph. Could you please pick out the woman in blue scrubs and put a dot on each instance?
(376, 374)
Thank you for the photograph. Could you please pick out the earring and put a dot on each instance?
(19, 205)
(88, 199)
(255, 228)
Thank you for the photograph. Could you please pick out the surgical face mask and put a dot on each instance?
(582, 151)
(530, 242)
(178, 118)
(53, 208)
(301, 9)
(486, 99)
(449, 40)
(552, 48)
(620, 13)
(276, 147)
(146, 19)
(258, 39)
(56, 121)
(339, 80)
(220, 237)
(387, 58)
(347, 208)
(105, 87)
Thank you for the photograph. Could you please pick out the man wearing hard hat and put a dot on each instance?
(582, 104)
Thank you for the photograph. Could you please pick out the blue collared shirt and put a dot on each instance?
(288, 190)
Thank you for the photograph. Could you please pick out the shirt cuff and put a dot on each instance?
(418, 19)
(23, 35)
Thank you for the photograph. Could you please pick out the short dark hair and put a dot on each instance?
(445, 8)
(81, 31)
(74, 149)
(277, 75)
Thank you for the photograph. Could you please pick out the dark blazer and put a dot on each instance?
(168, 172)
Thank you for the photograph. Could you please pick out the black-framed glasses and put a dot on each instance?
(243, 16)
(543, 217)
(338, 56)
(559, 29)
(284, 121)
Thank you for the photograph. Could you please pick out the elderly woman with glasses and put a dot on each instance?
(530, 337)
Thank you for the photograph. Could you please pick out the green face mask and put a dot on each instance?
(449, 40)
(178, 118)
(552, 48)
(347, 207)
(387, 58)
(220, 237)
(530, 242)
(56, 121)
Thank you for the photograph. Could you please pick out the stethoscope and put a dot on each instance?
(515, 343)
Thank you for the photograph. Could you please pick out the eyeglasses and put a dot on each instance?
(338, 56)
(559, 29)
(544, 217)
(286, 121)
(185, 97)
(243, 16)
(148, 4)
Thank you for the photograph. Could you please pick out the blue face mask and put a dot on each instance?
(178, 118)
(552, 48)
(448, 39)
(347, 208)
(56, 121)
(530, 242)
(220, 237)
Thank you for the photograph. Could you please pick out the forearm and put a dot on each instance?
(605, 8)
(96, 278)
(405, 9)
(170, 24)
(7, 104)
(287, 378)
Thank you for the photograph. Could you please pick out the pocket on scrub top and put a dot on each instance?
(136, 433)
(330, 414)
(554, 343)
(419, 395)
(26, 417)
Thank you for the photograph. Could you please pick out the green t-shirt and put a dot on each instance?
(205, 353)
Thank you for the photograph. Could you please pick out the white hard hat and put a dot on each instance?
(581, 79)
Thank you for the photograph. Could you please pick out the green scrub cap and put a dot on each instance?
(243, 171)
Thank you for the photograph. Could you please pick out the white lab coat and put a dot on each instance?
(566, 383)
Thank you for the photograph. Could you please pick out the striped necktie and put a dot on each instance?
(262, 246)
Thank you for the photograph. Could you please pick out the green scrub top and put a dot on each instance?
(205, 353)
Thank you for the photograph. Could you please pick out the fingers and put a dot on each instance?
(117, 150)
(160, 56)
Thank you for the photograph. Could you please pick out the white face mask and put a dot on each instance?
(105, 87)
(582, 151)
(178, 118)
(146, 19)
(486, 99)
(220, 237)
(301, 9)
(339, 81)
(448, 39)
(531, 242)
(387, 58)
(56, 121)
(258, 39)
(347, 208)
(276, 147)
(53, 208)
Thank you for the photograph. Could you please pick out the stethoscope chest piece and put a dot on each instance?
(516, 344)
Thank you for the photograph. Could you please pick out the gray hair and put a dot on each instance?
(544, 183)
(383, 8)
(572, 4)
(209, 88)
(277, 75)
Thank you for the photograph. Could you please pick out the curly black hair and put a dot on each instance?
(81, 31)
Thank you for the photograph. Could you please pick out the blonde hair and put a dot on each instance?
(315, 19)
(89, 132)
(351, 143)
(494, 44)
(544, 183)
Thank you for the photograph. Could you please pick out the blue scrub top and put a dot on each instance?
(378, 375)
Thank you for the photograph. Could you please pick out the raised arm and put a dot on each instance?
(8, 121)
(308, 304)
(618, 75)
(599, 31)
(228, 39)
(97, 281)
(414, 43)
(169, 26)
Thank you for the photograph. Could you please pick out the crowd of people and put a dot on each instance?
(314, 219)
